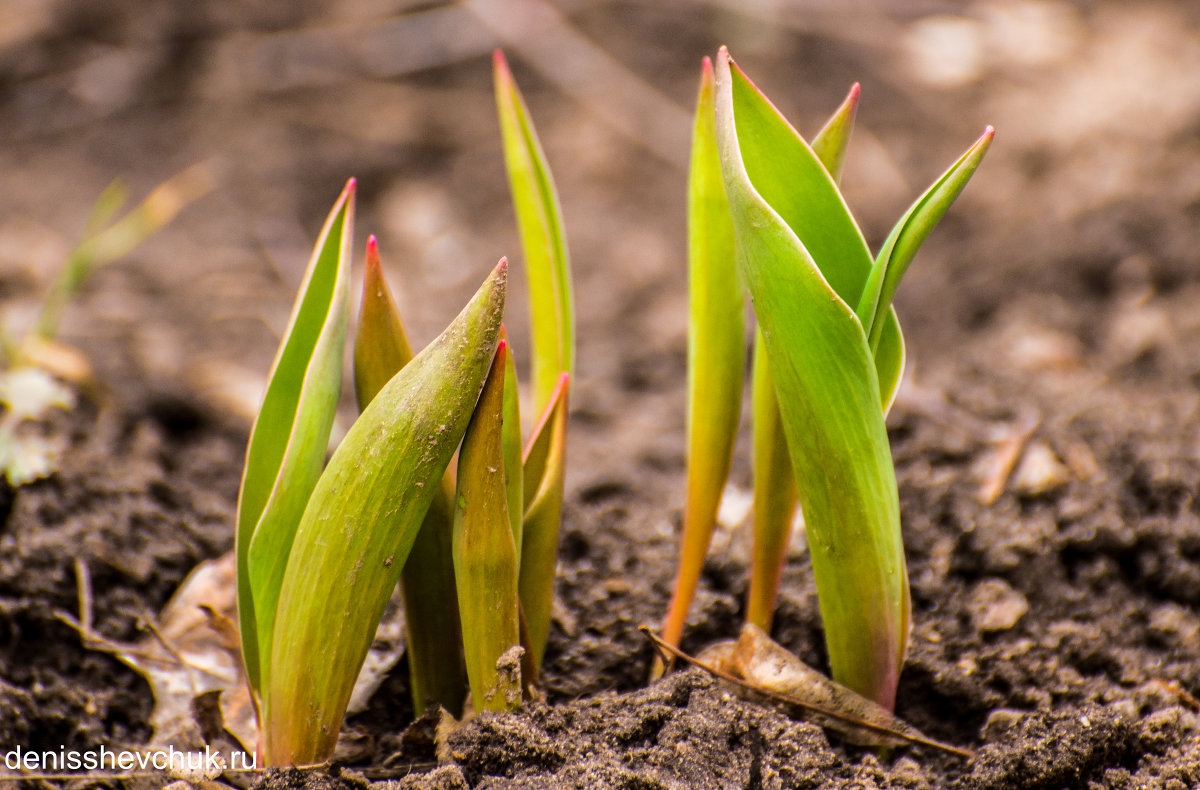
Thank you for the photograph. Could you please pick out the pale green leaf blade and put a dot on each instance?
(513, 451)
(774, 492)
(794, 182)
(101, 247)
(289, 437)
(433, 640)
(910, 233)
(539, 219)
(346, 558)
(539, 541)
(716, 355)
(535, 457)
(831, 143)
(485, 555)
(774, 485)
(381, 346)
(830, 409)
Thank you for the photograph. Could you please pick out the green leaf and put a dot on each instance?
(832, 142)
(774, 485)
(513, 471)
(774, 493)
(111, 200)
(794, 182)
(910, 233)
(381, 346)
(825, 377)
(359, 526)
(535, 457)
(546, 453)
(289, 437)
(716, 354)
(539, 219)
(103, 246)
(433, 633)
(485, 555)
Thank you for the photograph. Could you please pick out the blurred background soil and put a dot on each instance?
(1051, 318)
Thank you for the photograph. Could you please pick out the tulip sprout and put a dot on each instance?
(828, 359)
(321, 547)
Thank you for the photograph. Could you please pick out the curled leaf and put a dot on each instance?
(774, 485)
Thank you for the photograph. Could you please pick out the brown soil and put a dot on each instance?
(1057, 300)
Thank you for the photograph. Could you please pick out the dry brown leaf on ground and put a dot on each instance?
(192, 650)
(759, 665)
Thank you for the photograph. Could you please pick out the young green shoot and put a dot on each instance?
(552, 332)
(485, 553)
(433, 636)
(287, 445)
(361, 522)
(716, 354)
(828, 359)
(824, 374)
(319, 552)
(35, 369)
(774, 485)
(539, 219)
(105, 240)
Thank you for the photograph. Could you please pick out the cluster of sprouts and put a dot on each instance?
(321, 546)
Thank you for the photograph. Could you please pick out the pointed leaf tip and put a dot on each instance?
(543, 240)
(374, 265)
(500, 63)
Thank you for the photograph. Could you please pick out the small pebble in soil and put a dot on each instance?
(996, 606)
(1040, 471)
(447, 777)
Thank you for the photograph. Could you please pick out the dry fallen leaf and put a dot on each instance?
(761, 666)
(193, 650)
